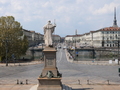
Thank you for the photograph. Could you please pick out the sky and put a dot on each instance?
(69, 15)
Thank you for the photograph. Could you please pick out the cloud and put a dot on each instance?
(3, 1)
(69, 14)
(46, 4)
(16, 5)
(80, 23)
(107, 8)
(79, 1)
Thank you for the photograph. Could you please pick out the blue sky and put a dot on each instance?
(69, 15)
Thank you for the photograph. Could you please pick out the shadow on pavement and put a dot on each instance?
(65, 87)
(83, 89)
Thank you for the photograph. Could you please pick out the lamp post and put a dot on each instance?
(75, 43)
(75, 48)
(118, 51)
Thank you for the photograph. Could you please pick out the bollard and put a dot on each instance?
(88, 82)
(79, 82)
(21, 82)
(108, 82)
(26, 81)
(17, 81)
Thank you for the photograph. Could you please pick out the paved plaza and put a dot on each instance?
(74, 87)
(76, 75)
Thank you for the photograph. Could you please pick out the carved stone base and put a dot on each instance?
(50, 78)
(49, 84)
(54, 71)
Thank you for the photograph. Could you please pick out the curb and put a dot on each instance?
(19, 64)
(92, 63)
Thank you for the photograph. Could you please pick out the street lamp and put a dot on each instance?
(118, 51)
(75, 49)
(75, 43)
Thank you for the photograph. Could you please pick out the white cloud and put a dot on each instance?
(46, 4)
(69, 14)
(107, 8)
(80, 23)
(79, 1)
(67, 19)
(0, 9)
(16, 5)
(89, 18)
(3, 1)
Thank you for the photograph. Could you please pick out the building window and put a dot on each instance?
(110, 45)
(110, 37)
(116, 36)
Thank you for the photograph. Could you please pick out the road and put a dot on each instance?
(71, 72)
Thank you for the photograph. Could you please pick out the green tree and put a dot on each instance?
(12, 40)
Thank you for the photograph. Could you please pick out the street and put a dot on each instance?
(71, 72)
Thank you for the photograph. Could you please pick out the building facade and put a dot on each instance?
(56, 38)
(104, 37)
(33, 37)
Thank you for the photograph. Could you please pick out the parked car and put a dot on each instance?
(59, 47)
(64, 47)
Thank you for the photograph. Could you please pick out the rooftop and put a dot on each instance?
(110, 29)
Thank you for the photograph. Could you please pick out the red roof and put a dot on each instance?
(110, 29)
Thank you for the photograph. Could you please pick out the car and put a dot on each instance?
(40, 44)
(64, 47)
(59, 47)
(81, 46)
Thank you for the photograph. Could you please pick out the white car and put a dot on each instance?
(40, 44)
(64, 47)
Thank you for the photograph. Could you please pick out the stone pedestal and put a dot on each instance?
(50, 78)
(49, 84)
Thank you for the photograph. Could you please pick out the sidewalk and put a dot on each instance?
(95, 63)
(15, 87)
(95, 87)
(70, 59)
(65, 87)
(21, 64)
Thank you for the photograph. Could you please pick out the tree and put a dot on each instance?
(12, 40)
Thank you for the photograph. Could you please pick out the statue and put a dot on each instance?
(50, 74)
(50, 78)
(48, 30)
